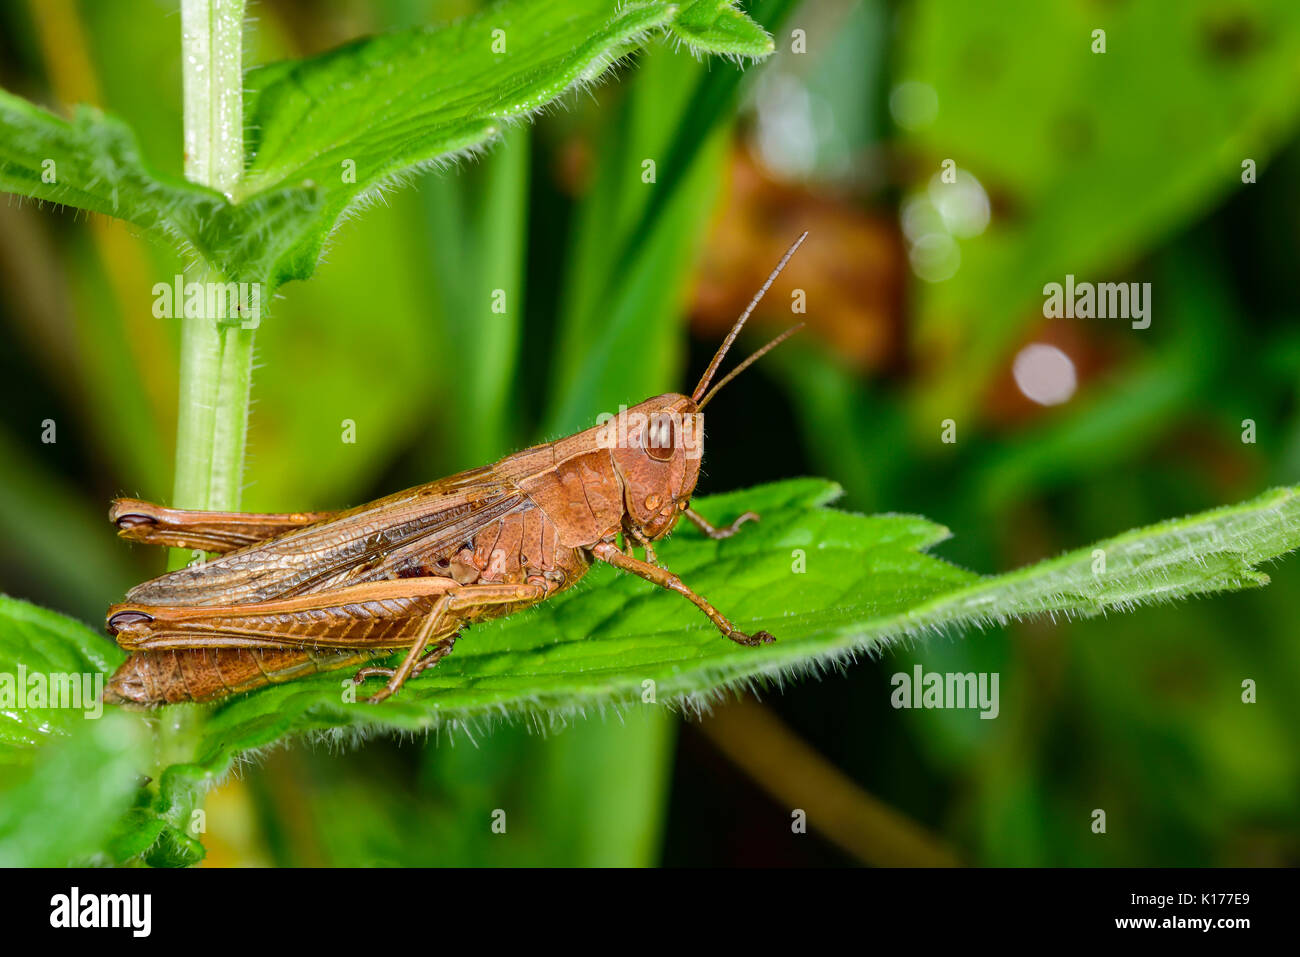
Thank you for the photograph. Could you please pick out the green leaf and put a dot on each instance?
(829, 584)
(36, 644)
(446, 90)
(720, 28)
(867, 582)
(65, 806)
(69, 769)
(93, 162)
(332, 131)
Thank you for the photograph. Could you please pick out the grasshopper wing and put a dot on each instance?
(370, 543)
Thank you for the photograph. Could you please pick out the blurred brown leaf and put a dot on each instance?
(851, 268)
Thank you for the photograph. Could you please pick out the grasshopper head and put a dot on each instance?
(657, 445)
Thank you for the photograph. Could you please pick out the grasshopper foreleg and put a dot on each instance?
(645, 543)
(608, 552)
(703, 524)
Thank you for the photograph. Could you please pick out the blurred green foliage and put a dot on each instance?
(1122, 165)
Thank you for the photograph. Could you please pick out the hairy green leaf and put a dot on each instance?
(36, 644)
(332, 131)
(866, 581)
(57, 740)
(64, 806)
(829, 584)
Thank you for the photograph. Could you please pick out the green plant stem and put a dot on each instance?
(215, 379)
(216, 358)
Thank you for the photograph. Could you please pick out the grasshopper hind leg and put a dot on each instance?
(467, 600)
(430, 658)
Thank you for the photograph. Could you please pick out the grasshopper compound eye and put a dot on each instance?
(662, 440)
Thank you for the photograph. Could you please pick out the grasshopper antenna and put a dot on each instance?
(748, 362)
(721, 354)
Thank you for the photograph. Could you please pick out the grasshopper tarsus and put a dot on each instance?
(428, 660)
(754, 640)
(726, 531)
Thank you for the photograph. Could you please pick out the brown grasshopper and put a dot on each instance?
(294, 593)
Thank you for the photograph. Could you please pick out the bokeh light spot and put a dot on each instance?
(1044, 374)
(913, 105)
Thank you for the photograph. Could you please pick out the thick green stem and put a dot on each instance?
(216, 373)
(216, 356)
